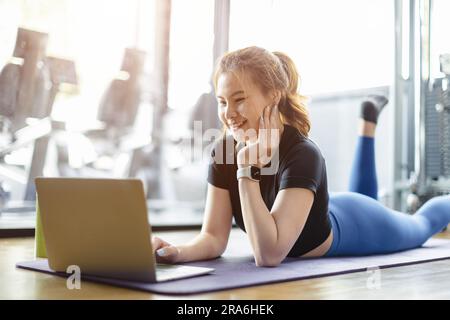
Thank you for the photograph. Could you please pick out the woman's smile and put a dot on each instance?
(235, 125)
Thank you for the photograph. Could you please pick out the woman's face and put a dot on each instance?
(240, 108)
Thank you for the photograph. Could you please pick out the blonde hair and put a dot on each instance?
(270, 71)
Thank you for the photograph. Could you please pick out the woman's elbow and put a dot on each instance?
(267, 262)
(219, 252)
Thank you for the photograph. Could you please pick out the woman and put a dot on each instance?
(289, 212)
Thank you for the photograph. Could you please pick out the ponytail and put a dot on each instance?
(293, 105)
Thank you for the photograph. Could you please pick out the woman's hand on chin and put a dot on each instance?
(260, 152)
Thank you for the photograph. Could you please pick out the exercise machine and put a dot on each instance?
(29, 84)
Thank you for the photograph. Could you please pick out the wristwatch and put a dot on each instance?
(251, 172)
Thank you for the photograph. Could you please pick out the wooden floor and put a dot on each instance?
(420, 281)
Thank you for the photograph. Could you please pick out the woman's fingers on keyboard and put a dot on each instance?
(167, 254)
(158, 243)
(164, 251)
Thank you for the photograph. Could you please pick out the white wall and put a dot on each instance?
(335, 130)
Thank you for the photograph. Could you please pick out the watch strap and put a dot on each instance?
(246, 172)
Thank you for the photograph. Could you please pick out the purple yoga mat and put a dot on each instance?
(237, 269)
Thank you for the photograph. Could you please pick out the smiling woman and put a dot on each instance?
(268, 79)
(288, 212)
(257, 90)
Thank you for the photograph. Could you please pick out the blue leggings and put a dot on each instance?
(363, 226)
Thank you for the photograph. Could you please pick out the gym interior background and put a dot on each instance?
(111, 89)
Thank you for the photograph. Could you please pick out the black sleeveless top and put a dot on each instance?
(301, 165)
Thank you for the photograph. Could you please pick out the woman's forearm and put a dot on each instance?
(259, 223)
(203, 247)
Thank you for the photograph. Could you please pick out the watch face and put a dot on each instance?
(255, 173)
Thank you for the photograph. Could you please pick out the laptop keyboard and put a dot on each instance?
(169, 271)
(167, 268)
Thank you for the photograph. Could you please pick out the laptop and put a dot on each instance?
(101, 226)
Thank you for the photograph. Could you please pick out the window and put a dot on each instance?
(336, 45)
(92, 33)
(440, 27)
(191, 48)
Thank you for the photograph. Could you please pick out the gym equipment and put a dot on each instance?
(120, 103)
(434, 178)
(24, 92)
(29, 84)
(62, 71)
(25, 81)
